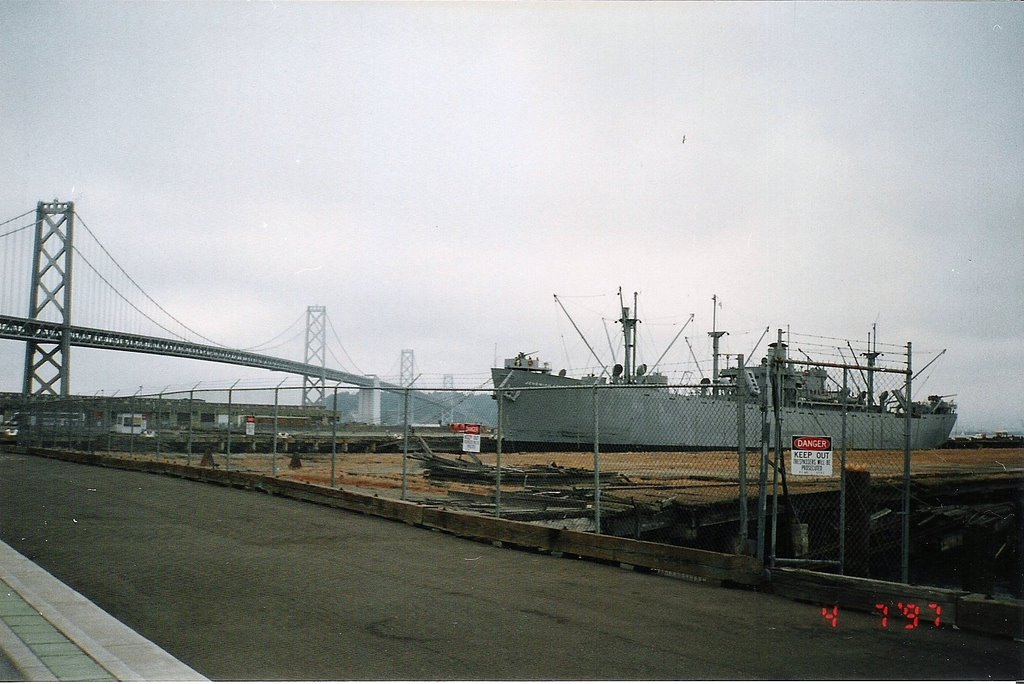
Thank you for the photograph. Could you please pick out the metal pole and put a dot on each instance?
(273, 453)
(780, 461)
(741, 434)
(69, 413)
(131, 424)
(908, 427)
(334, 439)
(188, 443)
(842, 478)
(762, 482)
(597, 467)
(159, 423)
(497, 450)
(227, 456)
(405, 441)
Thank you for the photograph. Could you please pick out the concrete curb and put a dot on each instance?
(117, 649)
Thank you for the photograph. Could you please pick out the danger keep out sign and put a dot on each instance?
(811, 455)
(470, 435)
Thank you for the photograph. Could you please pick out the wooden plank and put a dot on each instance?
(859, 593)
(1001, 617)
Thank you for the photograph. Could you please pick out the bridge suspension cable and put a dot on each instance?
(263, 346)
(334, 332)
(137, 286)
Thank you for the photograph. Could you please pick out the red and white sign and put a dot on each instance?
(250, 426)
(465, 428)
(811, 455)
(470, 435)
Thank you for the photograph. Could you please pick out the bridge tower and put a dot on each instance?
(314, 388)
(407, 375)
(48, 364)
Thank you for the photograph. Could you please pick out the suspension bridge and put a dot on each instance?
(57, 264)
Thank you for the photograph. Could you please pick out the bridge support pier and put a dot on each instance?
(369, 403)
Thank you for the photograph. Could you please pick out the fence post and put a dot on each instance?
(762, 482)
(159, 422)
(273, 448)
(597, 467)
(334, 438)
(908, 437)
(405, 441)
(131, 424)
(497, 454)
(69, 414)
(842, 477)
(779, 464)
(741, 434)
(108, 421)
(188, 446)
(227, 450)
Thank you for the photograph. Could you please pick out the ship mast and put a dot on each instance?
(715, 335)
(871, 355)
(629, 339)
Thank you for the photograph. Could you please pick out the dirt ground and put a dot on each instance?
(695, 476)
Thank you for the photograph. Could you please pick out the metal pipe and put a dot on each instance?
(405, 441)
(597, 466)
(273, 447)
(497, 449)
(762, 494)
(908, 428)
(334, 438)
(842, 477)
(741, 433)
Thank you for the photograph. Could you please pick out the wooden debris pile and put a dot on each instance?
(443, 468)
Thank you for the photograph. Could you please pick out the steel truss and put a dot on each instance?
(48, 363)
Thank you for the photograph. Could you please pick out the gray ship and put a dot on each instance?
(641, 410)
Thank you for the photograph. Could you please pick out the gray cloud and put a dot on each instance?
(450, 166)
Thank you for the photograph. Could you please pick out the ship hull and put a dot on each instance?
(544, 411)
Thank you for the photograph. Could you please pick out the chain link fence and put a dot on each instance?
(737, 466)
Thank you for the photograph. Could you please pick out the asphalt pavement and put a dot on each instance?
(241, 585)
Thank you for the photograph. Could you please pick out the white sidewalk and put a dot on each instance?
(50, 632)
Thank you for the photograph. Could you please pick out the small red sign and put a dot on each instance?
(250, 419)
(465, 428)
(812, 443)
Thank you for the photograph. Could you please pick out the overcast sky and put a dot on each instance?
(433, 172)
